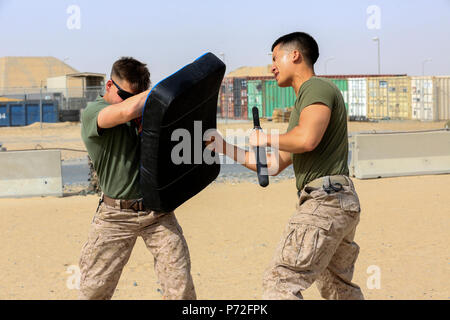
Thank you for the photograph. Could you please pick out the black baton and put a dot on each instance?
(261, 159)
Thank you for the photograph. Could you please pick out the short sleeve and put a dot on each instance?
(318, 92)
(89, 119)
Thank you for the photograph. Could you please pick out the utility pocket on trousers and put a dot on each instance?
(350, 203)
(304, 240)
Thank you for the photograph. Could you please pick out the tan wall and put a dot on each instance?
(56, 83)
(75, 87)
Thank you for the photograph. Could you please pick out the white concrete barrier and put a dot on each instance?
(30, 174)
(399, 154)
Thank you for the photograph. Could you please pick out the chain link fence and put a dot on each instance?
(68, 101)
(75, 98)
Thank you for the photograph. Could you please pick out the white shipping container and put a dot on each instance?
(430, 98)
(422, 93)
(442, 97)
(357, 98)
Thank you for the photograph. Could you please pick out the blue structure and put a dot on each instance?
(23, 113)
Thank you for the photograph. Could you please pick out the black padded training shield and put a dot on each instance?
(186, 101)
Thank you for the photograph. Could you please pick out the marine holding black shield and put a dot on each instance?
(113, 143)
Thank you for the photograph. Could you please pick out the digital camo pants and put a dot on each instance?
(317, 245)
(111, 239)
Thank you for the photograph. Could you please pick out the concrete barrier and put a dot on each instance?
(30, 174)
(399, 154)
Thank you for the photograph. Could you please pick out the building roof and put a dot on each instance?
(263, 71)
(26, 72)
(86, 74)
(5, 99)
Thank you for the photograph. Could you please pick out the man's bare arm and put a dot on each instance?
(305, 137)
(276, 161)
(123, 112)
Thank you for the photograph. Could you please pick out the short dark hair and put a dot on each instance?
(303, 42)
(134, 72)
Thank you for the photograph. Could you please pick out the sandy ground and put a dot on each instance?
(403, 232)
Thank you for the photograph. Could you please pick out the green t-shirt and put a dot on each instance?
(114, 153)
(330, 156)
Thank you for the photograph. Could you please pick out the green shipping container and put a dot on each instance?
(255, 97)
(276, 97)
(342, 84)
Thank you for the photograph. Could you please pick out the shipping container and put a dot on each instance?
(349, 76)
(234, 97)
(255, 97)
(422, 96)
(442, 97)
(357, 99)
(240, 105)
(49, 113)
(226, 99)
(430, 98)
(17, 115)
(26, 113)
(342, 84)
(4, 115)
(389, 98)
(33, 113)
(276, 97)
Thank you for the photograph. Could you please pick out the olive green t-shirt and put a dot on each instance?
(114, 153)
(330, 156)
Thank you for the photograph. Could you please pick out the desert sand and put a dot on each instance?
(231, 230)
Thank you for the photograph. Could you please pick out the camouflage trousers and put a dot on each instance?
(111, 239)
(317, 245)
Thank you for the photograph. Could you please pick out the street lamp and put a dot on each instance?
(378, 42)
(423, 65)
(326, 62)
(223, 56)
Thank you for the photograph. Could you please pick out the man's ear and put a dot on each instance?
(108, 85)
(296, 56)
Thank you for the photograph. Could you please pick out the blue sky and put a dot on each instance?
(169, 34)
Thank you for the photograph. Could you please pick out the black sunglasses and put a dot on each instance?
(122, 93)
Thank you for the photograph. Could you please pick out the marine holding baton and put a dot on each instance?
(318, 242)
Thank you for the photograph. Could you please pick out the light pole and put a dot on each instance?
(378, 42)
(423, 65)
(326, 62)
(223, 56)
(422, 89)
